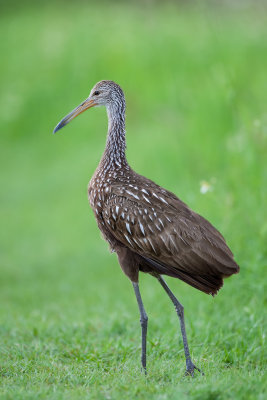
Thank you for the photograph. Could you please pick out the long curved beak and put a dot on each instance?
(88, 103)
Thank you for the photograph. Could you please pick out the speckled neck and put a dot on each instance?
(114, 154)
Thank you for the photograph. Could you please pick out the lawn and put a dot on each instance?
(196, 90)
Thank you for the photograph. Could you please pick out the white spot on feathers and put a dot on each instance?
(132, 194)
(142, 228)
(114, 217)
(151, 244)
(145, 191)
(128, 228)
(164, 201)
(160, 221)
(128, 240)
(146, 199)
(158, 227)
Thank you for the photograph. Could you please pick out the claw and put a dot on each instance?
(190, 370)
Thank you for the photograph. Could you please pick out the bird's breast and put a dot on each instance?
(98, 191)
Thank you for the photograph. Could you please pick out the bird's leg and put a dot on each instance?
(143, 321)
(190, 367)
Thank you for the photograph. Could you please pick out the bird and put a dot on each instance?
(149, 228)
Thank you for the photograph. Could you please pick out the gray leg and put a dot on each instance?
(190, 367)
(143, 321)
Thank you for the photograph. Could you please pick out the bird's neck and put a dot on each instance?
(114, 154)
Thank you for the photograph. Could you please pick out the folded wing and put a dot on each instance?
(176, 241)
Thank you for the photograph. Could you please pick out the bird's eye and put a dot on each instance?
(96, 93)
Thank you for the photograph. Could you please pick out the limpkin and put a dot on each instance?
(149, 228)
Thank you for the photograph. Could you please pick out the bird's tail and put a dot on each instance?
(209, 284)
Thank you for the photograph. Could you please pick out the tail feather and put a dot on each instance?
(209, 284)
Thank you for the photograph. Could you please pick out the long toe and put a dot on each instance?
(190, 369)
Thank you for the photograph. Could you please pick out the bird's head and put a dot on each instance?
(104, 93)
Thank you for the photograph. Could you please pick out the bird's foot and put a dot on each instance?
(190, 368)
(143, 367)
(143, 370)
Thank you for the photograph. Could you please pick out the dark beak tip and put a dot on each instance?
(58, 127)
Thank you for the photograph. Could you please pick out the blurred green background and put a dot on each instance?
(194, 76)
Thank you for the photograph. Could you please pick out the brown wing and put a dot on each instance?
(158, 226)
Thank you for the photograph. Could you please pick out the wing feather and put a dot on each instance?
(157, 225)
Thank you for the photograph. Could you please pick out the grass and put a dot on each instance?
(195, 83)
